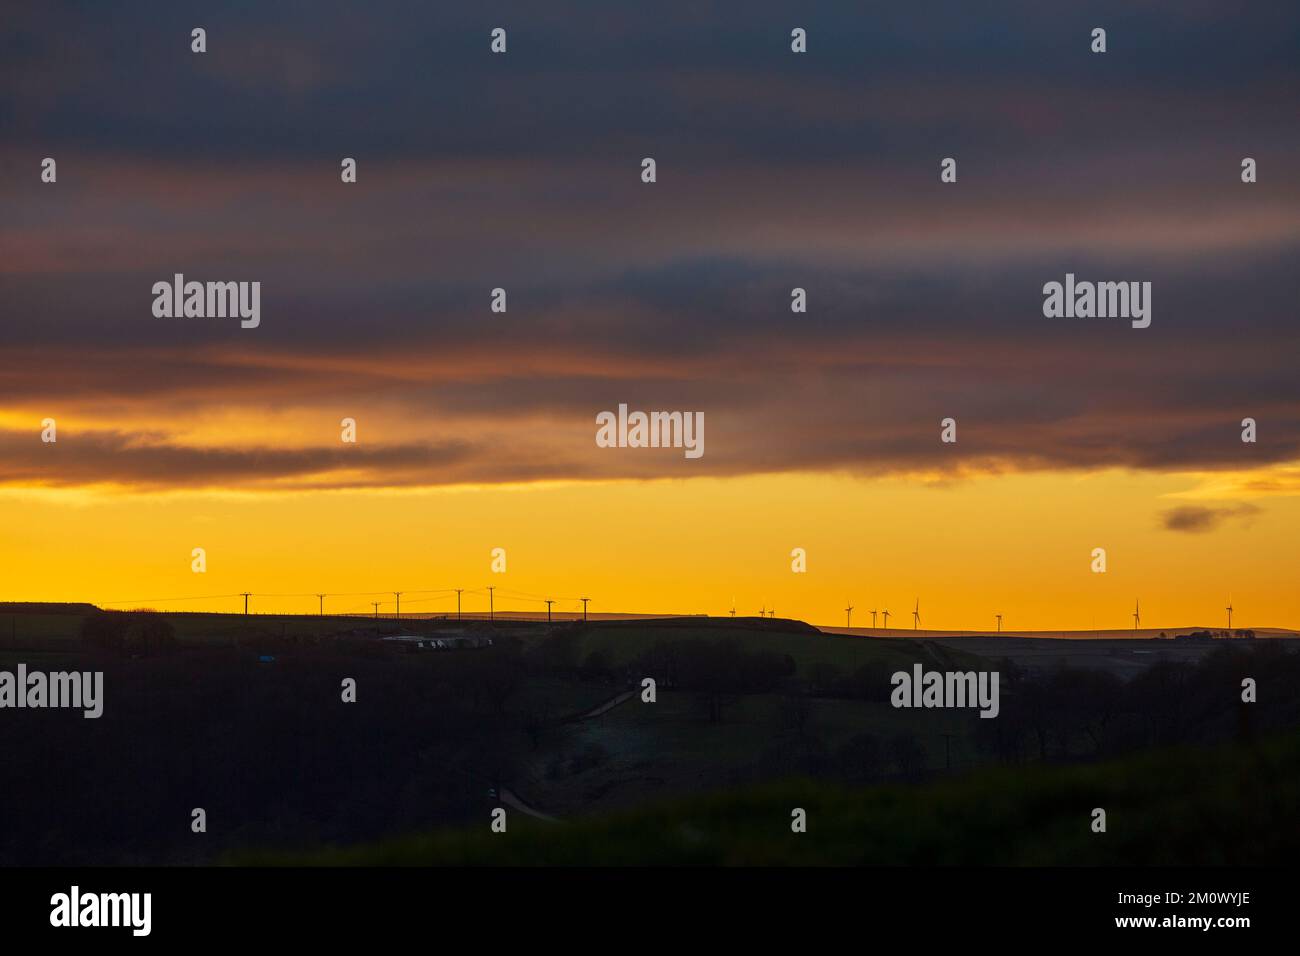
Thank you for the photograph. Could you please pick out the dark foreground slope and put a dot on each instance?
(1231, 805)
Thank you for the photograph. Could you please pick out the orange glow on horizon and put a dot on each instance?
(1016, 544)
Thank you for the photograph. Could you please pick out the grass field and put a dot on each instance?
(49, 631)
(620, 642)
(38, 630)
(1162, 809)
(667, 747)
(624, 642)
(692, 777)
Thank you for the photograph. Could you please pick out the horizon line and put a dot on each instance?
(12, 606)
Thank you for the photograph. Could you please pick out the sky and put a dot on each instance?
(476, 430)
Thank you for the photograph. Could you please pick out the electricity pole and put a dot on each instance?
(491, 609)
(376, 604)
(548, 611)
(458, 590)
(398, 595)
(322, 604)
(245, 595)
(584, 609)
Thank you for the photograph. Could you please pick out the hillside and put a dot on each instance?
(1162, 808)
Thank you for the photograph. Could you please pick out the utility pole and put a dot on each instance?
(548, 611)
(376, 604)
(458, 590)
(245, 595)
(322, 604)
(398, 595)
(492, 614)
(584, 609)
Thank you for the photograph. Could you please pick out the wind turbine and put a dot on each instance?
(999, 617)
(1137, 615)
(885, 615)
(916, 614)
(873, 618)
(1229, 610)
(848, 616)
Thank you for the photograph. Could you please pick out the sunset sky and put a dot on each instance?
(775, 170)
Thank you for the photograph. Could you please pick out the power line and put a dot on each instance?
(201, 597)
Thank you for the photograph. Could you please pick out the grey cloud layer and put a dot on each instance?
(775, 172)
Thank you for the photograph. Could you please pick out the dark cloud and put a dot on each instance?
(775, 171)
(111, 458)
(584, 78)
(1200, 518)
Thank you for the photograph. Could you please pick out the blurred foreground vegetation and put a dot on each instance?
(1232, 805)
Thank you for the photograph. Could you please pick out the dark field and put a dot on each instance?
(1124, 658)
(751, 719)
